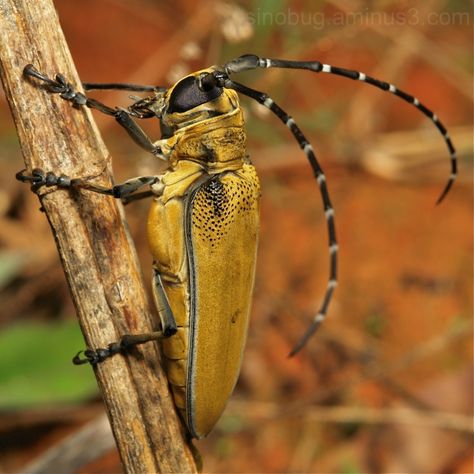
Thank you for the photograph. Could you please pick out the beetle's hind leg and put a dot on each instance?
(168, 324)
(168, 321)
(95, 356)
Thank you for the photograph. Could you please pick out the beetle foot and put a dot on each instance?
(58, 85)
(95, 356)
(39, 178)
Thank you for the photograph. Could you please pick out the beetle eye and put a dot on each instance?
(186, 95)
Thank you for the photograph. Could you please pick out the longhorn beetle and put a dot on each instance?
(203, 223)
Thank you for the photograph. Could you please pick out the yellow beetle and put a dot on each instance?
(203, 231)
(203, 222)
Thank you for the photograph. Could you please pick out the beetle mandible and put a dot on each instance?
(204, 219)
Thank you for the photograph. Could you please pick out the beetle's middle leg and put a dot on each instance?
(125, 191)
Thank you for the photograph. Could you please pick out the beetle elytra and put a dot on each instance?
(204, 219)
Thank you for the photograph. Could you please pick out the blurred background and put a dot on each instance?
(386, 384)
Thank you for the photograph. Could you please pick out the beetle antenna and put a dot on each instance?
(119, 86)
(250, 61)
(265, 100)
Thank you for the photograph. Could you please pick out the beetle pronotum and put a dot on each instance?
(203, 223)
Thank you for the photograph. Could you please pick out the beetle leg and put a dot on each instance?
(135, 132)
(127, 188)
(95, 356)
(39, 178)
(60, 86)
(168, 322)
(137, 196)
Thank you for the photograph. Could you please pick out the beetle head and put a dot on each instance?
(191, 100)
(189, 93)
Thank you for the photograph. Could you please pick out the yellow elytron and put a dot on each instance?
(203, 222)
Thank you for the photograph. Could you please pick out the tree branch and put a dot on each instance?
(99, 260)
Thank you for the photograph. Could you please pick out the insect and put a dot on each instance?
(204, 219)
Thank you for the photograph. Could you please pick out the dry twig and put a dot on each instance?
(96, 251)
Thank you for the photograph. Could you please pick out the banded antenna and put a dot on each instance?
(250, 62)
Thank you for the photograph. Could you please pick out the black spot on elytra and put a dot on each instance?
(218, 205)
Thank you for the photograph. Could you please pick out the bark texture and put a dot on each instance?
(98, 256)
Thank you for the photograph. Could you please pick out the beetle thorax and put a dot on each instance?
(212, 133)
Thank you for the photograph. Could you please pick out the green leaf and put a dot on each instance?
(36, 367)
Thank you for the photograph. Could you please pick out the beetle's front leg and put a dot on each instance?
(66, 91)
(59, 85)
(38, 178)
